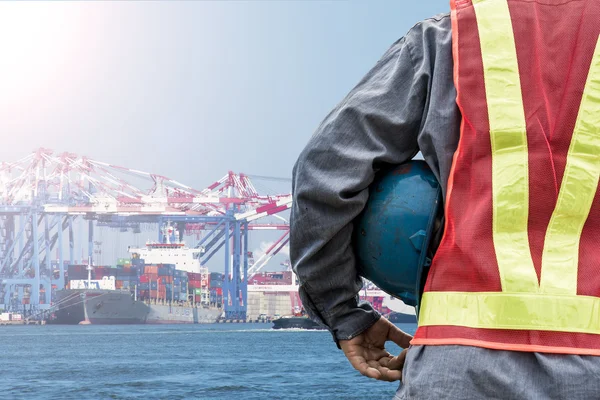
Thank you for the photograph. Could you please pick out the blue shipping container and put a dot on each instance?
(216, 284)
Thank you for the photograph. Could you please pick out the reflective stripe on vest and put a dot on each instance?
(553, 304)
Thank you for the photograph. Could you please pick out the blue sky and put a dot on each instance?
(189, 90)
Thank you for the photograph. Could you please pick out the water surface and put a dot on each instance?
(217, 361)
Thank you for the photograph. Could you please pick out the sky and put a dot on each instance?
(189, 90)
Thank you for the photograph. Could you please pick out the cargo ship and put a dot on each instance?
(142, 291)
(164, 283)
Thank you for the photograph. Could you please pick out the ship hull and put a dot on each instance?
(117, 307)
(166, 314)
(89, 306)
(70, 310)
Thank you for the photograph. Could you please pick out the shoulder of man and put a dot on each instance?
(428, 36)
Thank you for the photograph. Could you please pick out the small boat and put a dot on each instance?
(296, 322)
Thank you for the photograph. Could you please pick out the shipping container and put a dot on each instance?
(217, 276)
(165, 279)
(152, 277)
(137, 261)
(153, 285)
(195, 284)
(216, 284)
(193, 276)
(151, 269)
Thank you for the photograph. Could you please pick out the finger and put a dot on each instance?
(370, 372)
(387, 374)
(361, 365)
(384, 361)
(390, 375)
(397, 363)
(397, 336)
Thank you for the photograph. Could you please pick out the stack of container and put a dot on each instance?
(180, 286)
(216, 287)
(160, 282)
(78, 272)
(195, 286)
(156, 281)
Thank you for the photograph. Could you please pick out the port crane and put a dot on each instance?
(44, 193)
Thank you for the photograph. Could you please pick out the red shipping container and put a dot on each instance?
(144, 279)
(153, 294)
(194, 284)
(166, 279)
(194, 277)
(151, 269)
(198, 299)
(152, 277)
(119, 284)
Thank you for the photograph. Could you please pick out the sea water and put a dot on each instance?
(217, 361)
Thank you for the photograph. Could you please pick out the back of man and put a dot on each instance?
(521, 198)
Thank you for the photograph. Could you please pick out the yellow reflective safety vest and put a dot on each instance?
(518, 267)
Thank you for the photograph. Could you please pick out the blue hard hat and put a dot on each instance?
(394, 236)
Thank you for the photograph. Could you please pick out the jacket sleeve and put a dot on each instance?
(377, 124)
